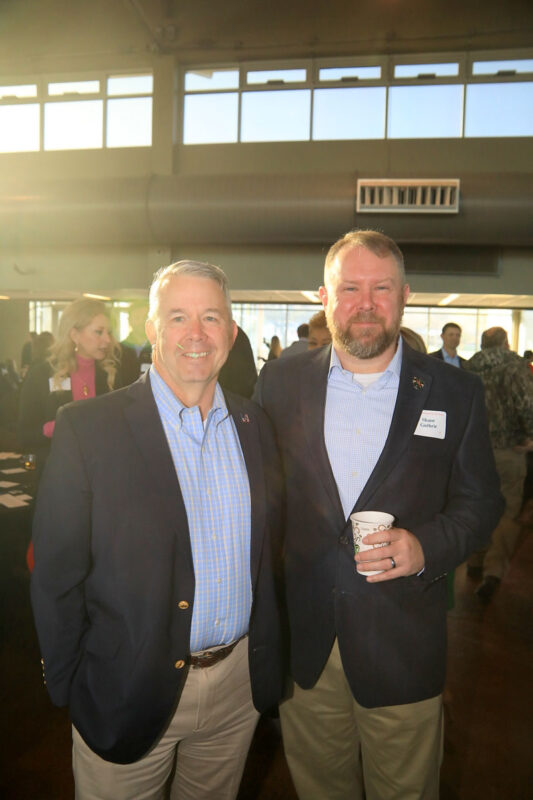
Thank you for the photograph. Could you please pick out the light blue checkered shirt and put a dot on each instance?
(214, 483)
(356, 425)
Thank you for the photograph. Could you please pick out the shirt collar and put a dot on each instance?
(164, 396)
(448, 358)
(393, 367)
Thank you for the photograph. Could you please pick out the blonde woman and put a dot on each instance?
(275, 348)
(83, 363)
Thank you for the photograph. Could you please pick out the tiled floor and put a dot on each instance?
(489, 737)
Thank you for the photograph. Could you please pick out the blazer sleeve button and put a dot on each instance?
(179, 664)
(183, 604)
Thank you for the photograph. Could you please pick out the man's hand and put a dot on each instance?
(401, 556)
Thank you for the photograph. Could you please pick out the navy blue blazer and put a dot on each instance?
(391, 635)
(113, 585)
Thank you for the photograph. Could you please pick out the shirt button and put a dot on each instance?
(354, 474)
(179, 664)
(183, 604)
(217, 621)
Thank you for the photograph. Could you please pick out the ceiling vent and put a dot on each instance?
(408, 196)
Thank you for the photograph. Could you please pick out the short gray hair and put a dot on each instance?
(198, 269)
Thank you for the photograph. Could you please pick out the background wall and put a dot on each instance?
(104, 220)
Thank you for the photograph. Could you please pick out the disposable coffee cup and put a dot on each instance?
(364, 522)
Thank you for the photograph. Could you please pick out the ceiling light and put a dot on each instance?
(312, 296)
(96, 296)
(447, 300)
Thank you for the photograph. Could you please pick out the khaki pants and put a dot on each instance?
(495, 560)
(334, 746)
(210, 732)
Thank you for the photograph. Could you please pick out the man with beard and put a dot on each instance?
(370, 424)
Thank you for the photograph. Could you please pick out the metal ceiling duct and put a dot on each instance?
(250, 209)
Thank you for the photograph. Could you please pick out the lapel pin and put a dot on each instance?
(417, 383)
(245, 418)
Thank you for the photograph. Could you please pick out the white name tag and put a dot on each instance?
(432, 423)
(63, 385)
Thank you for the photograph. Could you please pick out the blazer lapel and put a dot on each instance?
(246, 424)
(312, 394)
(413, 391)
(147, 431)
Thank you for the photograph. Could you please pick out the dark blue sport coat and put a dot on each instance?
(392, 635)
(113, 585)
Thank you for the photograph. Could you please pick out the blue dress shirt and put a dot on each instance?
(214, 483)
(356, 425)
(453, 360)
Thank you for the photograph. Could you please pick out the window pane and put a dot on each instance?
(349, 113)
(466, 318)
(73, 87)
(210, 118)
(275, 116)
(73, 126)
(425, 112)
(417, 320)
(130, 84)
(19, 128)
(28, 90)
(525, 336)
(494, 67)
(129, 122)
(207, 80)
(276, 75)
(416, 70)
(339, 73)
(499, 109)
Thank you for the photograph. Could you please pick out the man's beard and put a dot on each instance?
(366, 343)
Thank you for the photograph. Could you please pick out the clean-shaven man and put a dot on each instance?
(156, 536)
(451, 338)
(370, 424)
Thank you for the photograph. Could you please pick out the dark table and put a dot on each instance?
(15, 536)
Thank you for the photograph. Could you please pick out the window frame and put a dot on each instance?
(43, 97)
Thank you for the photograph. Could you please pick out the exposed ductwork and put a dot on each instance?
(495, 209)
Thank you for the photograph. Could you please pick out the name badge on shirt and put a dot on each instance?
(432, 423)
(64, 385)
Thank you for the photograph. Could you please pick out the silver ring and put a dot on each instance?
(393, 562)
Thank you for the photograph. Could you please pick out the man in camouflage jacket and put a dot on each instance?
(509, 398)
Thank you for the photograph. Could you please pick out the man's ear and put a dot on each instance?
(234, 332)
(323, 294)
(150, 331)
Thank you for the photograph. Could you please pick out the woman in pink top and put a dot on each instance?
(83, 363)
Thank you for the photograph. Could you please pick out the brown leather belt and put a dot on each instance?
(210, 657)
